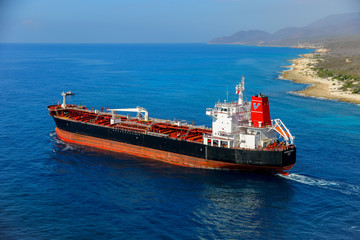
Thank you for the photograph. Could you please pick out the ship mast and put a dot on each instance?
(239, 90)
(63, 105)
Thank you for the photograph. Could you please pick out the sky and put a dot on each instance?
(154, 21)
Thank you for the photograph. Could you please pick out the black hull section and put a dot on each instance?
(258, 158)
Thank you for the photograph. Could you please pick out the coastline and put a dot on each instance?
(300, 46)
(325, 88)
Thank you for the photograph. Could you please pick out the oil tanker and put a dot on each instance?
(243, 136)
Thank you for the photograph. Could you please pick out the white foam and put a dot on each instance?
(63, 146)
(306, 96)
(296, 93)
(345, 188)
(356, 228)
(68, 147)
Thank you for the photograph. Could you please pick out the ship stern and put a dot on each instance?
(289, 157)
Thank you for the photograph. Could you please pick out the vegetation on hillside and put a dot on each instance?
(342, 64)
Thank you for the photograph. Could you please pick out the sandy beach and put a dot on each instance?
(301, 72)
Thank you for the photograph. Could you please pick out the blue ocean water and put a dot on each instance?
(54, 190)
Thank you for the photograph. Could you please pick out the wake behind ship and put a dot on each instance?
(242, 136)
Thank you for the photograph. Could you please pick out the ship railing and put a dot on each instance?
(172, 122)
(211, 111)
(161, 120)
(157, 134)
(179, 123)
(263, 149)
(230, 104)
(223, 136)
(134, 123)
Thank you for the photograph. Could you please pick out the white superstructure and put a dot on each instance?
(234, 126)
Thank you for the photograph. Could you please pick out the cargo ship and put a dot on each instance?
(242, 137)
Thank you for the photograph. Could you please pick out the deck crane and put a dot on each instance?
(142, 113)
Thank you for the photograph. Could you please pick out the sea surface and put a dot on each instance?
(54, 190)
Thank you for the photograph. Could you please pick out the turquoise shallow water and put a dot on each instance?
(54, 190)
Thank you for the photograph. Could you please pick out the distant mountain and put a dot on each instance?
(333, 26)
(245, 37)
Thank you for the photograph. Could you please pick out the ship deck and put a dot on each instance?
(172, 129)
